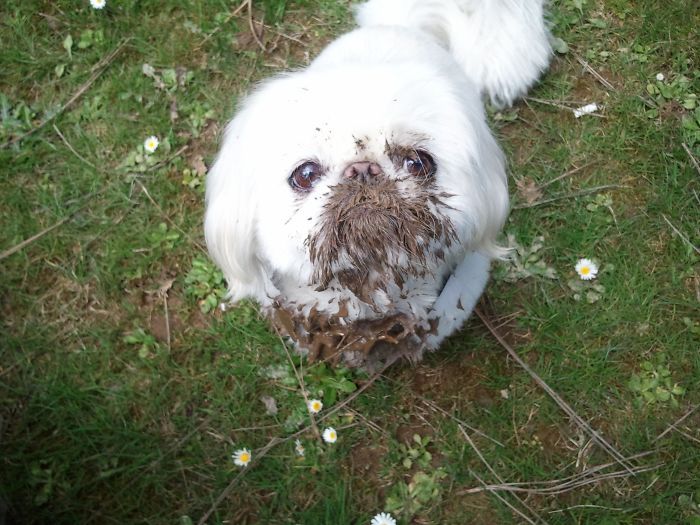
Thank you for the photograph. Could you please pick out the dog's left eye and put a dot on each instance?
(419, 163)
(304, 177)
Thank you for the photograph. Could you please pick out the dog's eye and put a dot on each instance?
(305, 176)
(419, 163)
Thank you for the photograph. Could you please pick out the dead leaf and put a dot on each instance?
(198, 165)
(270, 405)
(165, 287)
(528, 190)
(174, 115)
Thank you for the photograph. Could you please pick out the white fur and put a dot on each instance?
(415, 71)
(502, 45)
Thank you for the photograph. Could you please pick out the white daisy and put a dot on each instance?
(98, 4)
(330, 435)
(314, 406)
(586, 269)
(242, 457)
(660, 77)
(383, 518)
(299, 448)
(151, 144)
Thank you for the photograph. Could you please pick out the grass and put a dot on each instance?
(124, 390)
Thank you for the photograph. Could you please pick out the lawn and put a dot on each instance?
(125, 388)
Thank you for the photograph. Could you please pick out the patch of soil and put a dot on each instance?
(365, 460)
(405, 432)
(470, 509)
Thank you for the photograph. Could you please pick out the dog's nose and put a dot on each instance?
(363, 171)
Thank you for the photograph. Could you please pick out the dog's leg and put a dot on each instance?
(459, 296)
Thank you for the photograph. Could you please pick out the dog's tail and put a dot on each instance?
(502, 45)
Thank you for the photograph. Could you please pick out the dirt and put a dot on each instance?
(366, 458)
(365, 461)
(405, 432)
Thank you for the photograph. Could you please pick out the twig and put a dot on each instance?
(549, 103)
(672, 426)
(172, 157)
(597, 75)
(251, 23)
(692, 157)
(495, 474)
(100, 68)
(505, 501)
(556, 397)
(564, 487)
(687, 436)
(277, 441)
(233, 14)
(229, 488)
(163, 292)
(565, 175)
(68, 145)
(37, 236)
(300, 380)
(434, 406)
(647, 102)
(165, 216)
(573, 195)
(680, 234)
(561, 106)
(567, 509)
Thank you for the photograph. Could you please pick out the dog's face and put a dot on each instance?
(353, 177)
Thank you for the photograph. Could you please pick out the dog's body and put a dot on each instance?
(358, 200)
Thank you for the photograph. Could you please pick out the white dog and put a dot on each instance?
(358, 201)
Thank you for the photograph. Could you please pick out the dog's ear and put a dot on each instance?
(494, 202)
(230, 218)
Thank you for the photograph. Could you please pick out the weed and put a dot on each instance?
(654, 384)
(206, 284)
(147, 344)
(525, 261)
(416, 452)
(408, 499)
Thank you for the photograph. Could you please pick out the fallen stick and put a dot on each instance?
(557, 398)
(100, 68)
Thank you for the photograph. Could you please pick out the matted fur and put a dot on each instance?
(375, 229)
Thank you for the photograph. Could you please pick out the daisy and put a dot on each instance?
(299, 448)
(151, 144)
(660, 77)
(586, 269)
(383, 518)
(242, 457)
(98, 4)
(330, 435)
(314, 406)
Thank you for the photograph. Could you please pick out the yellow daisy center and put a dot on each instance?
(316, 406)
(585, 270)
(245, 457)
(332, 435)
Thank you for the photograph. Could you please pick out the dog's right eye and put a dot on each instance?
(305, 176)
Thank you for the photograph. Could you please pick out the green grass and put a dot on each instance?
(104, 419)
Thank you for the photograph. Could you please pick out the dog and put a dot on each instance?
(359, 200)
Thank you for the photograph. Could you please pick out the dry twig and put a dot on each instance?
(681, 234)
(557, 398)
(673, 426)
(581, 193)
(259, 454)
(495, 474)
(692, 157)
(98, 69)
